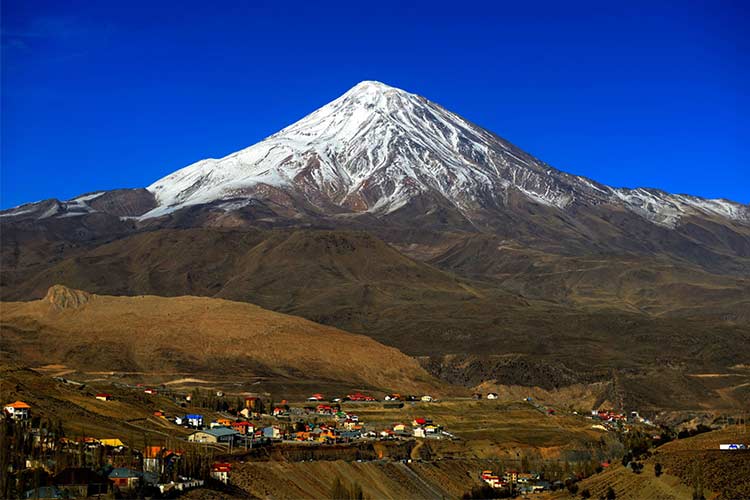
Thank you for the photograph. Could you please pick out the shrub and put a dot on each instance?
(485, 491)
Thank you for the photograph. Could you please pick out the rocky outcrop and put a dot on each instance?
(62, 297)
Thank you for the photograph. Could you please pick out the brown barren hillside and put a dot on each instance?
(197, 335)
(688, 465)
(468, 329)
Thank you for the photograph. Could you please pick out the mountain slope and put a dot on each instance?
(383, 213)
(376, 148)
(379, 158)
(333, 272)
(355, 282)
(689, 465)
(198, 336)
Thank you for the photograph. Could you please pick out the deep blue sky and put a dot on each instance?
(106, 94)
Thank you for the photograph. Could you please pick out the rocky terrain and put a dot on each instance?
(384, 214)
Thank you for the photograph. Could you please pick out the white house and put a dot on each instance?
(194, 420)
(492, 395)
(221, 471)
(217, 435)
(272, 432)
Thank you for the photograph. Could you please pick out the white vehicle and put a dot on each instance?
(732, 446)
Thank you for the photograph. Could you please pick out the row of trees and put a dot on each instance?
(340, 491)
(36, 441)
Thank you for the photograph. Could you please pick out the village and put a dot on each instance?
(109, 465)
(45, 463)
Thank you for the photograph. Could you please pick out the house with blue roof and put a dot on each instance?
(194, 420)
(215, 435)
(44, 492)
(125, 478)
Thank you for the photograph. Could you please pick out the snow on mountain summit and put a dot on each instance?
(372, 149)
(376, 148)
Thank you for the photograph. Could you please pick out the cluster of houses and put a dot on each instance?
(609, 420)
(323, 422)
(516, 482)
(339, 427)
(366, 398)
(608, 416)
(119, 469)
(425, 428)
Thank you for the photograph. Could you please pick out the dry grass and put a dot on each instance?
(686, 462)
(200, 336)
(487, 428)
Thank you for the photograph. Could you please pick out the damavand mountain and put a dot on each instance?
(385, 214)
(377, 150)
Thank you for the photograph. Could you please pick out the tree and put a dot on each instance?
(525, 463)
(586, 493)
(486, 491)
(611, 495)
(338, 491)
(573, 488)
(657, 469)
(698, 482)
(357, 493)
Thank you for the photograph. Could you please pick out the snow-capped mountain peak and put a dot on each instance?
(375, 148)
(372, 149)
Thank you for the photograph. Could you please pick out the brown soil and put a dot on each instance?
(198, 336)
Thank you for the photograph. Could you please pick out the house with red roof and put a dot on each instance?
(324, 410)
(243, 427)
(220, 471)
(358, 396)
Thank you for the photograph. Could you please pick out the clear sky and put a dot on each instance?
(107, 94)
